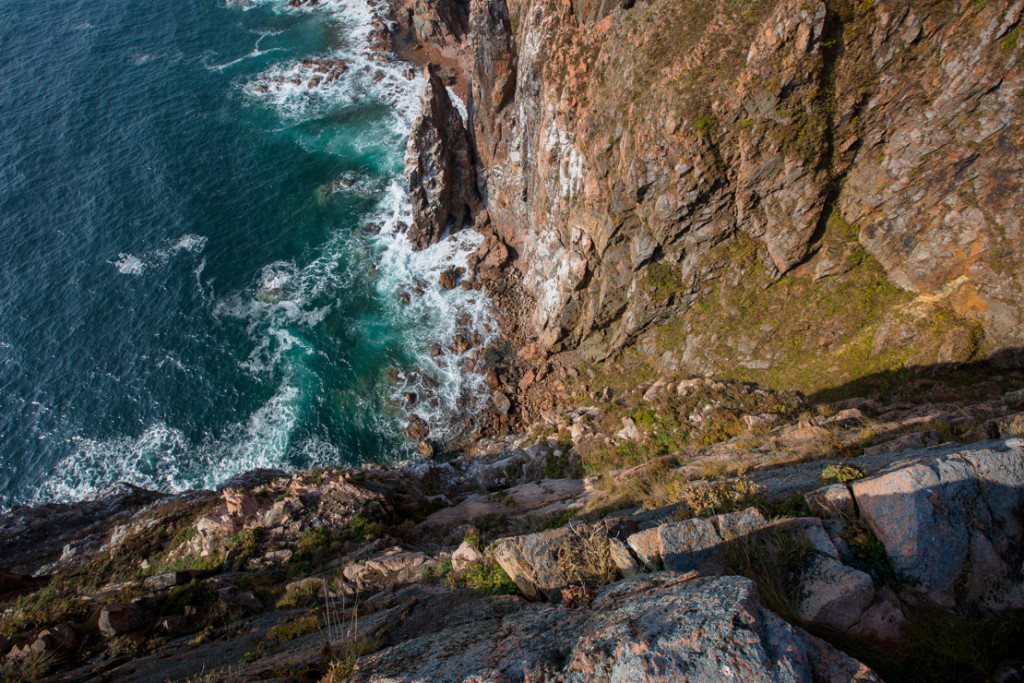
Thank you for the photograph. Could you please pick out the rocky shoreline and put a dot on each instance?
(866, 525)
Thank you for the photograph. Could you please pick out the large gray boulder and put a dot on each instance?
(951, 523)
(651, 627)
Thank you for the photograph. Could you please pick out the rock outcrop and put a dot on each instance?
(439, 167)
(672, 174)
(951, 524)
(649, 628)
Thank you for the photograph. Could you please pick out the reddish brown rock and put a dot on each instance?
(439, 167)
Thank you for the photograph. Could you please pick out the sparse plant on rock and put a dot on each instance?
(841, 474)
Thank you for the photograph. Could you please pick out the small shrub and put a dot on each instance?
(473, 540)
(345, 657)
(715, 498)
(283, 633)
(584, 558)
(312, 550)
(577, 596)
(246, 543)
(841, 474)
(485, 577)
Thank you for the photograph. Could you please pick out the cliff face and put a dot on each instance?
(797, 184)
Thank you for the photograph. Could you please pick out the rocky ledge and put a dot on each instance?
(823, 542)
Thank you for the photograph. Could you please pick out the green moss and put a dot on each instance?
(662, 281)
(814, 335)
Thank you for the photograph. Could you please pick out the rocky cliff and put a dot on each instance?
(798, 192)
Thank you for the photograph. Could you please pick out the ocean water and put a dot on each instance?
(188, 288)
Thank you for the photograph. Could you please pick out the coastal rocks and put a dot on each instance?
(693, 544)
(450, 277)
(545, 563)
(949, 522)
(416, 428)
(648, 628)
(439, 166)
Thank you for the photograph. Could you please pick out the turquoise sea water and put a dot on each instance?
(187, 289)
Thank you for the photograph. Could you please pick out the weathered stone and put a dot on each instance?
(465, 555)
(121, 618)
(439, 166)
(693, 544)
(832, 595)
(394, 567)
(651, 627)
(936, 515)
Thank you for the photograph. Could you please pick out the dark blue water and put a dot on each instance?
(186, 287)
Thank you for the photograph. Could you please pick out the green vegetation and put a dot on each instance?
(841, 474)
(774, 559)
(312, 550)
(362, 529)
(246, 543)
(291, 630)
(484, 577)
(194, 594)
(818, 335)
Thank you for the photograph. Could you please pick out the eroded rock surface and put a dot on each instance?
(656, 627)
(439, 166)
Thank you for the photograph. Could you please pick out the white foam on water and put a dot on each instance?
(162, 458)
(286, 299)
(427, 320)
(431, 319)
(129, 264)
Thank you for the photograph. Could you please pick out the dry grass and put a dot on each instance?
(713, 498)
(773, 558)
(585, 557)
